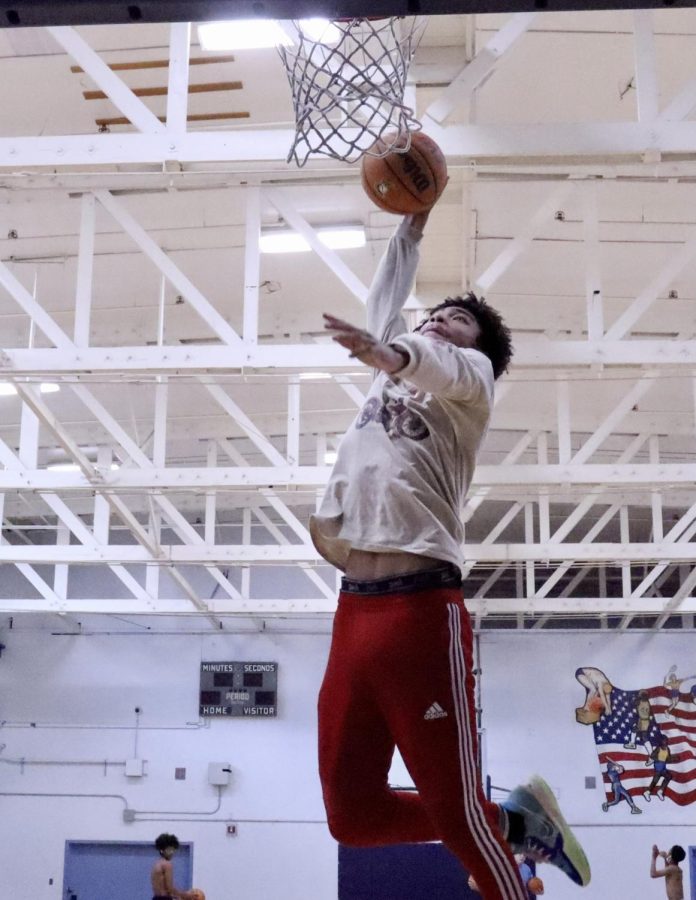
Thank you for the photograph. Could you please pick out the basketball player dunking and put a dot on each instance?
(400, 667)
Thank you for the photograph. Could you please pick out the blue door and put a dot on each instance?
(691, 856)
(416, 871)
(117, 870)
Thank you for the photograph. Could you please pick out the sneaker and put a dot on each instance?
(605, 806)
(636, 811)
(646, 794)
(548, 837)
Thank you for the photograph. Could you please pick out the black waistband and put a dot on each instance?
(445, 576)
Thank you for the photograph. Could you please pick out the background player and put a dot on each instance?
(671, 871)
(162, 876)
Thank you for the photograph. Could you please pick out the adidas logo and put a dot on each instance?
(435, 712)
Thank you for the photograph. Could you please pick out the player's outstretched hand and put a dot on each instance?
(363, 345)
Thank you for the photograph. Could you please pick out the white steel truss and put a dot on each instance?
(206, 500)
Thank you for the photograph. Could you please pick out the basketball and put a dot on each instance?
(596, 705)
(535, 886)
(196, 894)
(405, 183)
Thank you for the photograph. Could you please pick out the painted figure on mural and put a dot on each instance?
(673, 685)
(643, 721)
(614, 772)
(661, 757)
(598, 691)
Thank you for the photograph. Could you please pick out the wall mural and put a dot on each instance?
(645, 738)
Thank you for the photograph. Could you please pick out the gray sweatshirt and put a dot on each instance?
(405, 464)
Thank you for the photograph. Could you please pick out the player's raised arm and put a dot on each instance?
(394, 279)
(654, 871)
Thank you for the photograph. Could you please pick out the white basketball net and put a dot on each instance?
(348, 86)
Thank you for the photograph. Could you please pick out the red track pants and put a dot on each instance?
(398, 662)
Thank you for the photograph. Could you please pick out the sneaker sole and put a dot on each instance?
(544, 796)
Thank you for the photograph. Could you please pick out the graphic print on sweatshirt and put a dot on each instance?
(395, 416)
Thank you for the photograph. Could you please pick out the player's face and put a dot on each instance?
(453, 325)
(168, 852)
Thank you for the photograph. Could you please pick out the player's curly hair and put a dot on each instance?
(677, 853)
(167, 840)
(495, 339)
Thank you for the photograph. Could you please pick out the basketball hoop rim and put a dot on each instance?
(344, 19)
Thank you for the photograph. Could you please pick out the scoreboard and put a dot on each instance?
(243, 689)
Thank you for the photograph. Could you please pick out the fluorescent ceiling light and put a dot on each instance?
(330, 457)
(314, 376)
(258, 34)
(9, 390)
(282, 241)
(241, 34)
(321, 30)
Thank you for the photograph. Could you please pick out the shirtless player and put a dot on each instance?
(161, 875)
(673, 875)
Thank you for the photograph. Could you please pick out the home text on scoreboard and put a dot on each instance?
(241, 689)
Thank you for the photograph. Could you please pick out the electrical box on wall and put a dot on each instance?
(219, 773)
(135, 768)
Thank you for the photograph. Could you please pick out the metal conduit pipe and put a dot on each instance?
(189, 726)
(61, 762)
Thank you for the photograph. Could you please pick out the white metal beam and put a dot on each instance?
(118, 92)
(480, 68)
(556, 141)
(645, 65)
(181, 282)
(85, 271)
(224, 554)
(524, 240)
(296, 221)
(178, 82)
(620, 476)
(542, 354)
(281, 606)
(659, 284)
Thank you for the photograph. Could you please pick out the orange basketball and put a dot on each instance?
(405, 183)
(196, 894)
(596, 704)
(535, 886)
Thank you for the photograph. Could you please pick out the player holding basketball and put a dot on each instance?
(400, 667)
(161, 875)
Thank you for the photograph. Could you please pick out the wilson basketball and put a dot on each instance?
(196, 894)
(405, 183)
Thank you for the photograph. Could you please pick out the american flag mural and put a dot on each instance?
(645, 738)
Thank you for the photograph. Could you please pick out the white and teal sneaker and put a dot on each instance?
(547, 837)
